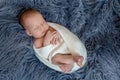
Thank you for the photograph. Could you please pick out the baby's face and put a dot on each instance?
(36, 26)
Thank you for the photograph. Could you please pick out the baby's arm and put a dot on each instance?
(47, 38)
(50, 38)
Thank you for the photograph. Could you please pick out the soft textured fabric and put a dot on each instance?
(71, 44)
(95, 22)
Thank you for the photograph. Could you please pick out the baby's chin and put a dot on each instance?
(38, 37)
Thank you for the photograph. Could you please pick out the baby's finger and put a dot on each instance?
(53, 33)
(57, 40)
(53, 41)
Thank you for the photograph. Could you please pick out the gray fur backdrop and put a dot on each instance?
(95, 22)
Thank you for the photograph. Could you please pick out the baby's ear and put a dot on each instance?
(28, 33)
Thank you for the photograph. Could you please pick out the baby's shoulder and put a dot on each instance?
(38, 42)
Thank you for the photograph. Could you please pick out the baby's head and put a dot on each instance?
(33, 23)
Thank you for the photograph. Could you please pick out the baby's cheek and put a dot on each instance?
(46, 26)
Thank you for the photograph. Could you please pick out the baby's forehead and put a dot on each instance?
(33, 14)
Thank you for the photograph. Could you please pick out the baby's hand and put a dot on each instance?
(52, 38)
(56, 38)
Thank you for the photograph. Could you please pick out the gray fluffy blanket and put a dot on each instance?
(95, 22)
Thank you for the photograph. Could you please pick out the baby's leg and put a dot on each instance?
(64, 61)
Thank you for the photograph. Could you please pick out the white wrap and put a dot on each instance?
(71, 44)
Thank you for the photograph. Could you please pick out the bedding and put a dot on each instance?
(95, 22)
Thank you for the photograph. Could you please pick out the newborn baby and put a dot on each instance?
(44, 36)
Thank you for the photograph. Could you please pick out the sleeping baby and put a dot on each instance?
(50, 41)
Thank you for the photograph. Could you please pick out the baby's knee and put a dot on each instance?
(55, 59)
